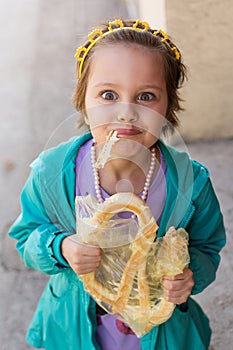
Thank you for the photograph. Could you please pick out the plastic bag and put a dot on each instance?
(127, 282)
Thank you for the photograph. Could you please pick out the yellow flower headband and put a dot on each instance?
(97, 34)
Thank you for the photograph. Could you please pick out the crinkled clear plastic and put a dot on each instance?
(127, 282)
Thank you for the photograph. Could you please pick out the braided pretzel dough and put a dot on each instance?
(132, 296)
(140, 247)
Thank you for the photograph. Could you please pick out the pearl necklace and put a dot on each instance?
(154, 154)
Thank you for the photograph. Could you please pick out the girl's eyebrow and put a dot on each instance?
(104, 83)
(151, 86)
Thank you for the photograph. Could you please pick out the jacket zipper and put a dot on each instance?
(185, 221)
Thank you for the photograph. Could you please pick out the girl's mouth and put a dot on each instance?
(127, 132)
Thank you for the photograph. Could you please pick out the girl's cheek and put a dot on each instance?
(100, 116)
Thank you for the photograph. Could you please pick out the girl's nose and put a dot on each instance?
(127, 114)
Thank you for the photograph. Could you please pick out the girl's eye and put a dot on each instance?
(109, 95)
(146, 96)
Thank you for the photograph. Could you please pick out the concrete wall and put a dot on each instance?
(203, 31)
(153, 12)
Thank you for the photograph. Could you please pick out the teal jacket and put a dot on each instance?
(65, 317)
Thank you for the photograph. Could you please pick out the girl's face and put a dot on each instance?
(126, 91)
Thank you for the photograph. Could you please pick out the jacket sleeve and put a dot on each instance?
(38, 239)
(207, 238)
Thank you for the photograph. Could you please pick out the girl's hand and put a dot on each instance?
(81, 258)
(178, 288)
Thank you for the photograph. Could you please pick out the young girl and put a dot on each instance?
(128, 81)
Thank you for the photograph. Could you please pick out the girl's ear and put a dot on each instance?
(86, 120)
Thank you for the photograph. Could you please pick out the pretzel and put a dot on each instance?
(140, 247)
(106, 150)
(137, 277)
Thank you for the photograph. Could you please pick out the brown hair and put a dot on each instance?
(175, 71)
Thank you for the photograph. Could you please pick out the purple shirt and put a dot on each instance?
(112, 334)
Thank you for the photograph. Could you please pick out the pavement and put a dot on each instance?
(20, 288)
